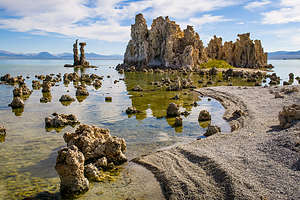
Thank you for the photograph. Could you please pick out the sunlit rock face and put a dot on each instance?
(242, 53)
(164, 45)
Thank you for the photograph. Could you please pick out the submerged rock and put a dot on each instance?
(173, 110)
(17, 102)
(204, 116)
(131, 110)
(211, 130)
(137, 89)
(288, 115)
(108, 99)
(2, 131)
(60, 120)
(70, 168)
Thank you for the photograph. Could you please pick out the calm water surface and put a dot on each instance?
(28, 151)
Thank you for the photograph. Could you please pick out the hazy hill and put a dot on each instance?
(47, 55)
(279, 55)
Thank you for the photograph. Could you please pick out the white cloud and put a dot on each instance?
(256, 4)
(198, 22)
(290, 12)
(105, 19)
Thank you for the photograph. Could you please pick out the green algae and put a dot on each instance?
(216, 63)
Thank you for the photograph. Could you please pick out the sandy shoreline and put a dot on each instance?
(256, 161)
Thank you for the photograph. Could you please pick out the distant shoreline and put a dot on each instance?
(8, 58)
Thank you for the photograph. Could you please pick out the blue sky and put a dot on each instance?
(29, 26)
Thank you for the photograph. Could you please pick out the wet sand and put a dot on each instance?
(258, 160)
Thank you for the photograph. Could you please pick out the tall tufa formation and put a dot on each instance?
(82, 60)
(75, 53)
(242, 53)
(164, 45)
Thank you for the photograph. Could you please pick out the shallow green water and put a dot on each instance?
(28, 151)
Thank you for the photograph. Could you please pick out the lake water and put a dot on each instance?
(28, 152)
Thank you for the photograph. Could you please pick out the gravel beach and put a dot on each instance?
(257, 160)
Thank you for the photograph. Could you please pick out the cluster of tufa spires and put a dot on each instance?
(165, 45)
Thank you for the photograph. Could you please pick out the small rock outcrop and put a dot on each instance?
(211, 130)
(17, 102)
(70, 168)
(60, 120)
(2, 131)
(90, 151)
(204, 116)
(131, 110)
(288, 115)
(81, 91)
(244, 52)
(66, 97)
(173, 110)
(178, 122)
(96, 143)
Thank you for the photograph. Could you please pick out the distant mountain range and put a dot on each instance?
(47, 55)
(278, 55)
(282, 55)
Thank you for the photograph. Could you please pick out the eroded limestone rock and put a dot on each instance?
(211, 130)
(66, 97)
(17, 102)
(244, 52)
(96, 143)
(81, 91)
(204, 116)
(60, 120)
(288, 115)
(2, 131)
(164, 45)
(173, 110)
(70, 168)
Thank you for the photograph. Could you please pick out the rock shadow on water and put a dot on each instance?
(43, 168)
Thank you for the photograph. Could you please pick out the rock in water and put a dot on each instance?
(173, 110)
(60, 120)
(17, 102)
(2, 131)
(82, 91)
(96, 143)
(204, 116)
(242, 53)
(164, 45)
(131, 110)
(66, 97)
(178, 122)
(211, 130)
(70, 168)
